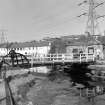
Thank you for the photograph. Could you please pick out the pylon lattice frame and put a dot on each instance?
(92, 23)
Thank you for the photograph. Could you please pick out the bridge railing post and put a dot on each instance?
(93, 57)
(63, 58)
(53, 57)
(32, 60)
(57, 56)
(80, 58)
(86, 57)
(50, 57)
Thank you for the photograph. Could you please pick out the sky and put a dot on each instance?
(26, 20)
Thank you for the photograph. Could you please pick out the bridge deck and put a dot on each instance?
(51, 59)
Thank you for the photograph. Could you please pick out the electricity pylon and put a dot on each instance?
(92, 26)
(3, 38)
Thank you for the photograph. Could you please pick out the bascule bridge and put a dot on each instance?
(82, 51)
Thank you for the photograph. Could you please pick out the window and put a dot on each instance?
(75, 50)
(90, 49)
(20, 48)
(17, 48)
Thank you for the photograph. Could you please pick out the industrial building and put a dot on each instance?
(26, 48)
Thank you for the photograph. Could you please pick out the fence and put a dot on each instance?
(62, 58)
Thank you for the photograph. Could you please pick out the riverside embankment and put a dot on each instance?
(37, 89)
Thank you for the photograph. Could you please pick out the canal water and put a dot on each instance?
(43, 69)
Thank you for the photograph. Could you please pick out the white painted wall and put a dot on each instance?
(69, 49)
(98, 49)
(44, 50)
(3, 51)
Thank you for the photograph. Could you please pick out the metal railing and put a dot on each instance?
(62, 58)
(58, 57)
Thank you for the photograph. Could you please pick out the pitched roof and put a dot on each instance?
(25, 44)
(84, 41)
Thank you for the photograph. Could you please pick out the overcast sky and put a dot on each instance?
(27, 20)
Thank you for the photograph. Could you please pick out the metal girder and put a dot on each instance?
(15, 59)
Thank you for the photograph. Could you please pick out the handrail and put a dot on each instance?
(58, 57)
(62, 57)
